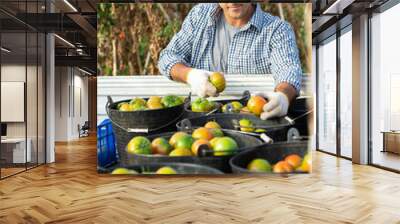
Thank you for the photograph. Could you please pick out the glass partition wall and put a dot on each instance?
(346, 94)
(22, 76)
(327, 95)
(385, 90)
(334, 94)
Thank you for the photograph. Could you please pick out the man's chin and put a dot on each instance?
(236, 15)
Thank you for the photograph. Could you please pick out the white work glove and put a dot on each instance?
(199, 84)
(277, 106)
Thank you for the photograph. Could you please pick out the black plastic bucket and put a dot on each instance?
(180, 168)
(275, 128)
(218, 162)
(243, 99)
(299, 107)
(122, 138)
(127, 125)
(143, 121)
(273, 153)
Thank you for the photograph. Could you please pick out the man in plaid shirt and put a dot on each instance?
(235, 38)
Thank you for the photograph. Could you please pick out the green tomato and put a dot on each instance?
(138, 101)
(171, 101)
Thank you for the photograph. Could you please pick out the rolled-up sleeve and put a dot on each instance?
(179, 48)
(285, 61)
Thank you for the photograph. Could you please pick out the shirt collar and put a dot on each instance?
(256, 19)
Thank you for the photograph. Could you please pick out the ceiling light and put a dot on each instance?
(5, 50)
(70, 5)
(84, 71)
(337, 7)
(65, 41)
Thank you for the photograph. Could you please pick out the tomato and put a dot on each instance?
(124, 107)
(259, 165)
(174, 138)
(282, 167)
(139, 145)
(225, 146)
(160, 146)
(294, 160)
(246, 125)
(137, 106)
(202, 133)
(154, 102)
(216, 132)
(214, 141)
(256, 104)
(123, 171)
(202, 105)
(181, 152)
(166, 170)
(138, 101)
(185, 142)
(171, 101)
(212, 124)
(306, 164)
(218, 80)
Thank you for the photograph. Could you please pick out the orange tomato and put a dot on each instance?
(256, 104)
(282, 167)
(174, 138)
(212, 124)
(160, 146)
(293, 160)
(202, 133)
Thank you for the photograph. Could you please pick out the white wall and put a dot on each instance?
(71, 94)
(61, 103)
(14, 73)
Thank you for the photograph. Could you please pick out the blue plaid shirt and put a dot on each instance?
(265, 45)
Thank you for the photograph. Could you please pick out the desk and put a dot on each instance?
(13, 150)
(391, 141)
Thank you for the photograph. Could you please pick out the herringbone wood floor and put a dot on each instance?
(70, 191)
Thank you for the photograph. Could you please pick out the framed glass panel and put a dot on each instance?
(22, 66)
(346, 93)
(385, 89)
(14, 153)
(327, 96)
(32, 98)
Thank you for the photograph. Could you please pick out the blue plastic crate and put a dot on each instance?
(106, 150)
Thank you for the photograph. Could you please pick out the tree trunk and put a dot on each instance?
(308, 31)
(114, 48)
(165, 14)
(281, 11)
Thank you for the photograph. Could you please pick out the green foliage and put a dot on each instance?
(131, 36)
(170, 29)
(143, 46)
